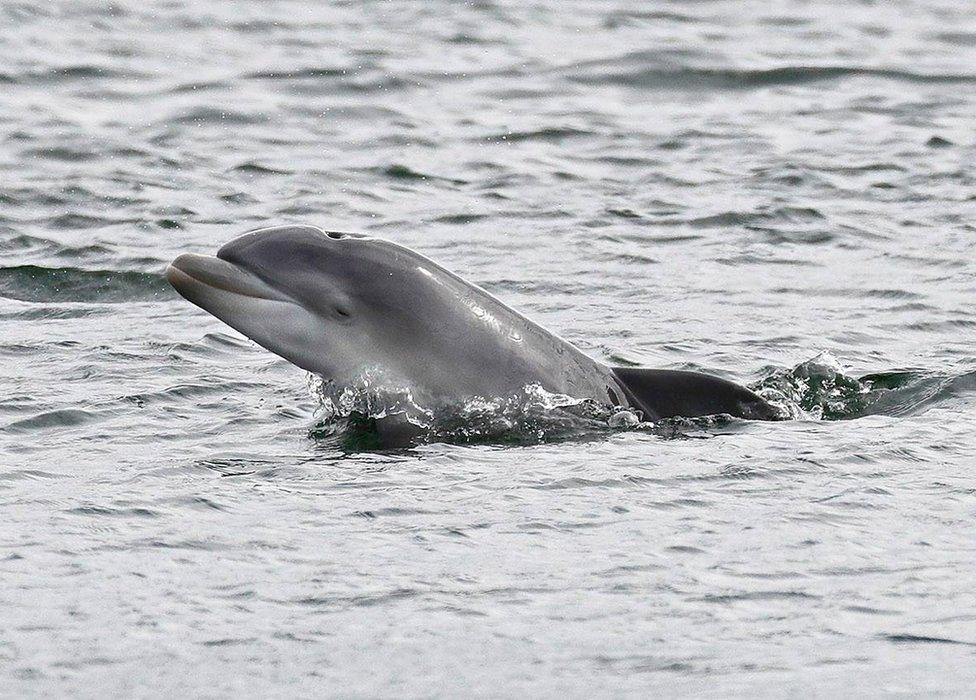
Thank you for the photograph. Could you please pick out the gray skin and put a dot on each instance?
(338, 303)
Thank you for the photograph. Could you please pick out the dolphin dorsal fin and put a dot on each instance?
(667, 393)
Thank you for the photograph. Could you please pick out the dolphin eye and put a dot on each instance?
(341, 312)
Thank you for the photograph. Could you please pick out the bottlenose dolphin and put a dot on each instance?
(336, 303)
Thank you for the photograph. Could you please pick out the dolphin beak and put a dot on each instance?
(191, 273)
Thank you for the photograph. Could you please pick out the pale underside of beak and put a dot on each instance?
(245, 302)
(190, 272)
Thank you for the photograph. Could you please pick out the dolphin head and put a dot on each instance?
(331, 303)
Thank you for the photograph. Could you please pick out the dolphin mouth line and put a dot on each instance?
(191, 269)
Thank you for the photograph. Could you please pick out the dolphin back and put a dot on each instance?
(664, 393)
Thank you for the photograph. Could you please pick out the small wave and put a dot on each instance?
(196, 87)
(44, 313)
(759, 596)
(329, 80)
(70, 284)
(300, 74)
(63, 418)
(253, 168)
(459, 219)
(548, 135)
(238, 198)
(819, 389)
(925, 639)
(623, 18)
(864, 168)
(783, 216)
(183, 392)
(62, 153)
(966, 39)
(402, 172)
(41, 246)
(28, 475)
(113, 512)
(211, 115)
(851, 292)
(84, 221)
(653, 71)
(65, 74)
(212, 344)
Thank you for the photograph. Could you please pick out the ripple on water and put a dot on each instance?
(49, 420)
(29, 475)
(402, 172)
(208, 116)
(100, 511)
(80, 73)
(548, 134)
(254, 168)
(653, 70)
(33, 283)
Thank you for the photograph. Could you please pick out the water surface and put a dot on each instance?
(728, 187)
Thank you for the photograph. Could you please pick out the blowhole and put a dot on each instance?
(334, 234)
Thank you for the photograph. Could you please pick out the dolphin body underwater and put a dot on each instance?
(337, 303)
